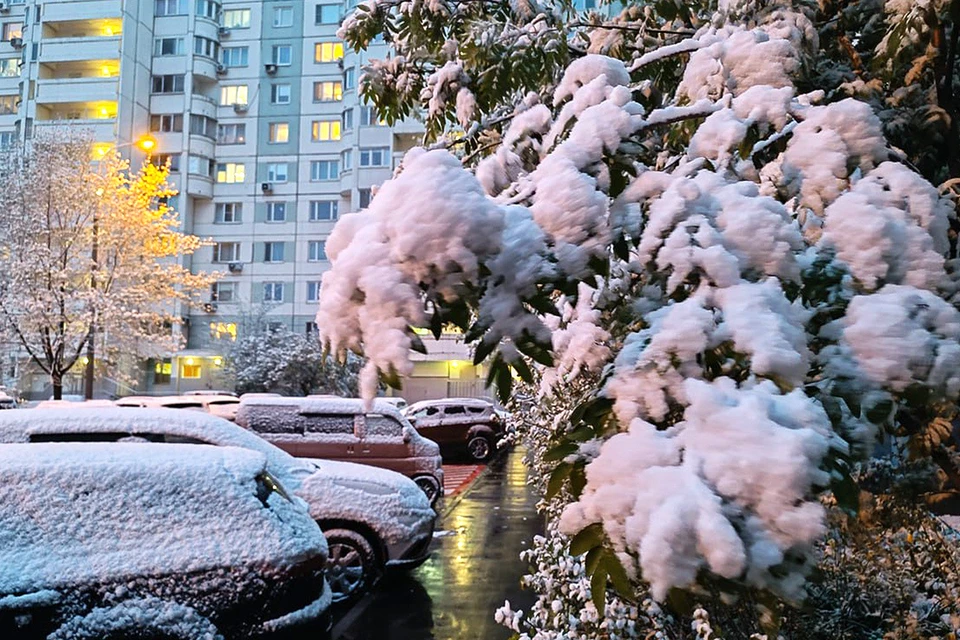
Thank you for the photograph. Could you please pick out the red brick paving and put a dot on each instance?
(457, 477)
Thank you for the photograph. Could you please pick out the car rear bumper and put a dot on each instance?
(414, 554)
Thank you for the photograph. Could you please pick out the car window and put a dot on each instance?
(183, 405)
(454, 410)
(328, 423)
(106, 436)
(477, 410)
(378, 425)
(267, 419)
(213, 403)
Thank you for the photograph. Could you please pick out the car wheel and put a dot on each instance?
(480, 448)
(352, 565)
(430, 486)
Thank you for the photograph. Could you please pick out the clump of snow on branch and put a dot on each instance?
(728, 489)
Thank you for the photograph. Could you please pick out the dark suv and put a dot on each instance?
(459, 425)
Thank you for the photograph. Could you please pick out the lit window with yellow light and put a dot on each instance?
(223, 330)
(190, 369)
(324, 130)
(328, 51)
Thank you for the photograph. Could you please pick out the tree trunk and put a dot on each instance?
(57, 379)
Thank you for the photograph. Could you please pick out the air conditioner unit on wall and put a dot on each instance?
(210, 307)
(16, 43)
(240, 107)
(235, 267)
(221, 69)
(266, 187)
(224, 32)
(270, 68)
(4, 7)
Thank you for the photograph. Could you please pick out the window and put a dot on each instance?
(228, 213)
(273, 292)
(236, 18)
(369, 117)
(235, 56)
(374, 156)
(312, 328)
(230, 172)
(365, 197)
(233, 133)
(323, 210)
(165, 159)
(203, 126)
(276, 212)
(223, 292)
(171, 7)
(317, 251)
(327, 51)
(273, 252)
(167, 84)
(8, 104)
(279, 132)
(9, 67)
(166, 123)
(283, 16)
(329, 423)
(383, 426)
(349, 78)
(200, 165)
(323, 130)
(277, 172)
(347, 120)
(206, 47)
(168, 47)
(282, 55)
(226, 252)
(233, 94)
(327, 91)
(190, 371)
(280, 94)
(328, 14)
(346, 159)
(7, 139)
(324, 170)
(223, 330)
(313, 293)
(162, 370)
(12, 30)
(208, 9)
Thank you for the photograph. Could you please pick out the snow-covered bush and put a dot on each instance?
(720, 272)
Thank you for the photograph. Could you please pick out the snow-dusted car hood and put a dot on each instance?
(389, 503)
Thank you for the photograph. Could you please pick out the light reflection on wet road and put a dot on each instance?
(469, 574)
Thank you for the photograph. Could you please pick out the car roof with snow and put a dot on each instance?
(322, 404)
(24, 426)
(474, 402)
(93, 513)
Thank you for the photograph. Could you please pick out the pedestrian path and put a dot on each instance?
(457, 477)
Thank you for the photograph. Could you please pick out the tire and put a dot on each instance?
(352, 564)
(480, 448)
(430, 486)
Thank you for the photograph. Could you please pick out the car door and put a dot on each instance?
(426, 421)
(454, 425)
(382, 444)
(329, 436)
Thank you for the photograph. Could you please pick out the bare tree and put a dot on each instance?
(89, 250)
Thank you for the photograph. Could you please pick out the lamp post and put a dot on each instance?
(145, 143)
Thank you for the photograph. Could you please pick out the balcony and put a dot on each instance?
(81, 48)
(66, 12)
(205, 68)
(199, 186)
(102, 130)
(70, 90)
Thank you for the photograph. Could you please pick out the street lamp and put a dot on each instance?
(145, 143)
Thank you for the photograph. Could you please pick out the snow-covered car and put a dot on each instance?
(7, 402)
(459, 425)
(222, 406)
(152, 541)
(69, 404)
(374, 520)
(332, 428)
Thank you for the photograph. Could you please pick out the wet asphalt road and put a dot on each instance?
(471, 570)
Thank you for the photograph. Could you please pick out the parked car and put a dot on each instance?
(333, 428)
(459, 425)
(69, 404)
(150, 541)
(374, 520)
(222, 406)
(210, 392)
(396, 401)
(6, 402)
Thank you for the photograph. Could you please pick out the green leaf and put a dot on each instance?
(416, 344)
(559, 474)
(392, 378)
(679, 602)
(483, 349)
(618, 575)
(578, 479)
(847, 494)
(621, 249)
(504, 383)
(594, 556)
(589, 537)
(560, 452)
(520, 366)
(598, 589)
(581, 434)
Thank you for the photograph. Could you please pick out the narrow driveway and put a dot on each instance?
(474, 567)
